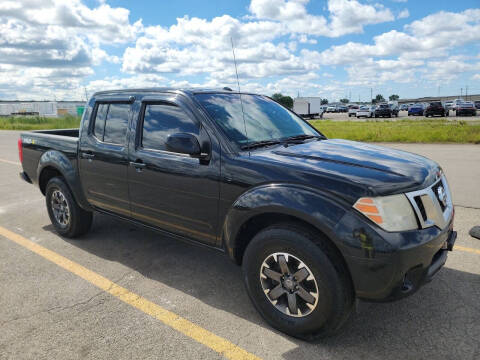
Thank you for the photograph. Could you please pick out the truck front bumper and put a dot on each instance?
(387, 266)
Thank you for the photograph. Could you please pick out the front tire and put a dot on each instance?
(69, 219)
(284, 270)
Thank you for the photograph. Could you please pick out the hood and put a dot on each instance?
(353, 168)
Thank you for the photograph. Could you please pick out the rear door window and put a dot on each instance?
(99, 127)
(116, 124)
(111, 122)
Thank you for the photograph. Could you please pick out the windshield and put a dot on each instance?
(264, 119)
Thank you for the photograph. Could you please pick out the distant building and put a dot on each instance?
(41, 108)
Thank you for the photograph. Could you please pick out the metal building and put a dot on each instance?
(41, 108)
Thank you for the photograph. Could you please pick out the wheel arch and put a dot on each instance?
(280, 203)
(56, 164)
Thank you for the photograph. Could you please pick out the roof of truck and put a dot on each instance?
(190, 91)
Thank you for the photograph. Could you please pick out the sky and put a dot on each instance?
(67, 50)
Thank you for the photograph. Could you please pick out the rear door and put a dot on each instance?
(169, 190)
(103, 156)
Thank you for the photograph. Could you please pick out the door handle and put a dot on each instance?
(87, 155)
(138, 165)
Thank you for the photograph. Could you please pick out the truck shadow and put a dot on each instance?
(443, 318)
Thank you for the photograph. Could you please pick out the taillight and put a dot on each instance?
(20, 150)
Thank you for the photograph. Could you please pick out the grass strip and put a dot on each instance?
(38, 122)
(405, 131)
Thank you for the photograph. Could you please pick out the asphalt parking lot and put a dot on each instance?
(181, 301)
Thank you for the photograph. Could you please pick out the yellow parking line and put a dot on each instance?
(467, 249)
(205, 337)
(10, 162)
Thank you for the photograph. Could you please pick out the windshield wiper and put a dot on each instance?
(290, 139)
(302, 137)
(257, 144)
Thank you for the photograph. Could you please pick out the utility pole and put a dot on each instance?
(350, 95)
(461, 93)
(466, 92)
(371, 95)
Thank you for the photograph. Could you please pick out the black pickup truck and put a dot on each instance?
(314, 222)
(386, 110)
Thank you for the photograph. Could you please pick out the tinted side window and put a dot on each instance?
(98, 130)
(116, 123)
(161, 120)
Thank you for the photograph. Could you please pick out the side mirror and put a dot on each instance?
(184, 143)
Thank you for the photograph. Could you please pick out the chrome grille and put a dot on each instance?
(433, 205)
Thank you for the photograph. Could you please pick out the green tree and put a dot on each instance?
(393, 97)
(378, 99)
(324, 101)
(344, 101)
(286, 101)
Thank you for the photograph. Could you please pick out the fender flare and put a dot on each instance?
(319, 209)
(63, 164)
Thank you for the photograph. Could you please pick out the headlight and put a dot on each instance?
(391, 213)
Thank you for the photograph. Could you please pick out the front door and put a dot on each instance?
(103, 157)
(169, 190)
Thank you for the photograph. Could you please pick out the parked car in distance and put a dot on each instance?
(466, 108)
(342, 108)
(477, 105)
(384, 110)
(435, 108)
(331, 109)
(395, 109)
(352, 110)
(455, 103)
(416, 109)
(403, 107)
(448, 105)
(365, 111)
(314, 222)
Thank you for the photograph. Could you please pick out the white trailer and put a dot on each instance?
(301, 107)
(308, 107)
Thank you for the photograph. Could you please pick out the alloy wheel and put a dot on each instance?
(289, 284)
(60, 208)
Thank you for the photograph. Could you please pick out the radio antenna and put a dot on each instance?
(239, 93)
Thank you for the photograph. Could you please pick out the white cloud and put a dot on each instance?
(197, 46)
(104, 23)
(51, 45)
(345, 16)
(446, 70)
(430, 37)
(403, 14)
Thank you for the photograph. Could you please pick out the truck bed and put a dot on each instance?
(36, 143)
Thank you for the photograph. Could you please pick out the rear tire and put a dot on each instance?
(69, 219)
(327, 274)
